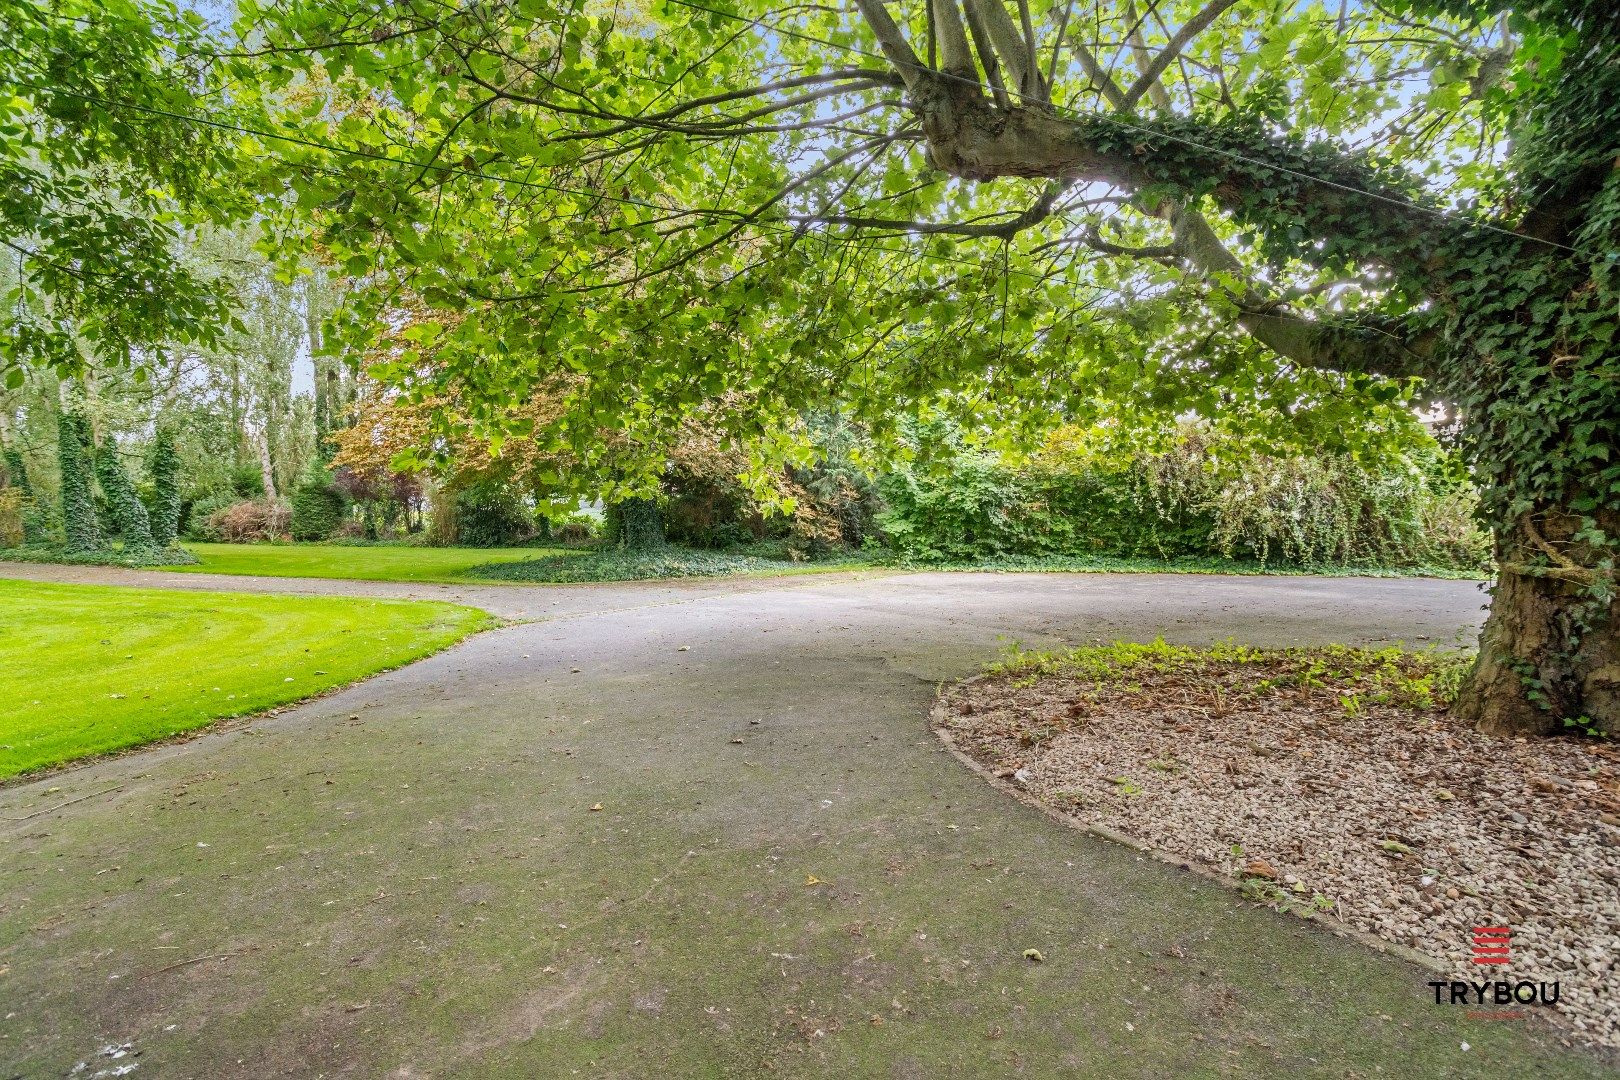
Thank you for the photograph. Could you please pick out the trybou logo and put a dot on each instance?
(1493, 945)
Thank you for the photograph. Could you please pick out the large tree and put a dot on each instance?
(1004, 208)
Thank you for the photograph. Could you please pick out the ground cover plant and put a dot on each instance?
(1326, 781)
(667, 561)
(363, 562)
(110, 555)
(89, 669)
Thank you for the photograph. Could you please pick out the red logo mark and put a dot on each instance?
(1491, 944)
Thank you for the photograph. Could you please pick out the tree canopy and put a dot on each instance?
(1304, 216)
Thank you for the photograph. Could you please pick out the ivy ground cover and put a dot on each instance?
(370, 562)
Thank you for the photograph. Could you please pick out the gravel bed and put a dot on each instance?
(1318, 796)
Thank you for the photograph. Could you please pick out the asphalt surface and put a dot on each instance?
(688, 830)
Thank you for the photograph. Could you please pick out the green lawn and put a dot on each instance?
(363, 563)
(85, 669)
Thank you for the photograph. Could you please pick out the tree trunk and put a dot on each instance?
(260, 441)
(641, 525)
(1549, 655)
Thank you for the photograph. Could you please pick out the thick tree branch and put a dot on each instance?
(1310, 343)
(891, 40)
(1037, 212)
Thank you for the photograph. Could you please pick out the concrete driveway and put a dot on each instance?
(693, 830)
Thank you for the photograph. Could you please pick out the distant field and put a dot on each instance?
(364, 563)
(85, 669)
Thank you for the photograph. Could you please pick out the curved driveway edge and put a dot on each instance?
(787, 875)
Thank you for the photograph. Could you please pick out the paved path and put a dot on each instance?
(409, 878)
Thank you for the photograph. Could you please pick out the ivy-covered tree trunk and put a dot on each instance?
(16, 471)
(1549, 656)
(81, 532)
(128, 512)
(641, 524)
(165, 512)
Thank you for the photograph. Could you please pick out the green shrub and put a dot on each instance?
(197, 515)
(1198, 498)
(635, 525)
(31, 518)
(123, 504)
(16, 474)
(619, 565)
(247, 482)
(577, 528)
(11, 517)
(972, 511)
(318, 510)
(491, 516)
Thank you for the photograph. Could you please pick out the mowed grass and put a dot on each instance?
(85, 669)
(358, 562)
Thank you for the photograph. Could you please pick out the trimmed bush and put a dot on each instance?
(318, 511)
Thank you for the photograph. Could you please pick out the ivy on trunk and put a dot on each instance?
(81, 532)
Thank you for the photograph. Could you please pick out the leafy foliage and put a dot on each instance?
(635, 525)
(16, 471)
(128, 513)
(490, 515)
(1419, 680)
(1089, 493)
(632, 565)
(80, 529)
(11, 517)
(318, 509)
(164, 467)
(98, 176)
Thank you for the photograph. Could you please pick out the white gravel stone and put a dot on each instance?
(1341, 802)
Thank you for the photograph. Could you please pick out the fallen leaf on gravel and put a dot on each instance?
(1034, 955)
(1353, 823)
